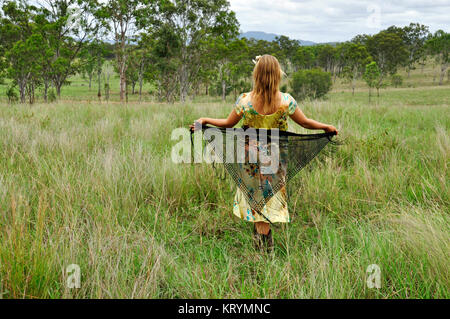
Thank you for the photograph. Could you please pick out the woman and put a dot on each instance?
(268, 108)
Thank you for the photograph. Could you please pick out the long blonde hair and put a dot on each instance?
(266, 81)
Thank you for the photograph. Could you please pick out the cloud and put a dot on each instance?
(333, 20)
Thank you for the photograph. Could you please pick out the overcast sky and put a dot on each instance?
(333, 20)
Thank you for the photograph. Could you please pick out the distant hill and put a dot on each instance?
(259, 35)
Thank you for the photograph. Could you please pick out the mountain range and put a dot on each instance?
(259, 35)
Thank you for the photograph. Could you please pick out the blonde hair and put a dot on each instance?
(266, 81)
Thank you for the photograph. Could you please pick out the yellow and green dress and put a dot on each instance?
(276, 209)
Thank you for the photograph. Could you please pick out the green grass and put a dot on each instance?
(92, 184)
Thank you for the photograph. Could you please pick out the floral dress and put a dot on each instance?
(275, 209)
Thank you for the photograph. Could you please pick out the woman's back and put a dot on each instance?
(252, 118)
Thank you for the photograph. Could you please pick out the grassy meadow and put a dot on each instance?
(92, 183)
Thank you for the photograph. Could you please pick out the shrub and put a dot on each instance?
(372, 76)
(397, 80)
(106, 91)
(312, 84)
(51, 95)
(12, 95)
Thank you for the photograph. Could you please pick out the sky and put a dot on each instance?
(333, 20)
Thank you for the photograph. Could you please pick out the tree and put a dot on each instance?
(65, 26)
(439, 45)
(26, 65)
(230, 57)
(415, 36)
(361, 39)
(326, 57)
(15, 29)
(123, 17)
(286, 51)
(93, 57)
(164, 61)
(388, 51)
(192, 22)
(304, 58)
(355, 58)
(397, 80)
(88, 64)
(143, 58)
(371, 76)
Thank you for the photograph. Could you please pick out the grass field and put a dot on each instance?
(89, 183)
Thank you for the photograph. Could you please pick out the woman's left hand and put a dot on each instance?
(200, 121)
(331, 129)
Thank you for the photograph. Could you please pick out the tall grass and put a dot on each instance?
(93, 184)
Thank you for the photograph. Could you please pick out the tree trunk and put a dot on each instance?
(45, 91)
(141, 80)
(140, 88)
(443, 69)
(183, 83)
(99, 92)
(22, 92)
(224, 90)
(122, 63)
(123, 84)
(58, 89)
(354, 82)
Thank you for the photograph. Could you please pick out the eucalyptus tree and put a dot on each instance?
(287, 48)
(124, 19)
(93, 57)
(354, 59)
(231, 59)
(26, 65)
(16, 27)
(389, 52)
(371, 75)
(261, 47)
(439, 45)
(192, 22)
(164, 61)
(326, 57)
(66, 27)
(143, 55)
(304, 58)
(414, 37)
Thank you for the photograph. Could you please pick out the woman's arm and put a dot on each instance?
(300, 118)
(230, 121)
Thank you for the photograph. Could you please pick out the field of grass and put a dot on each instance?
(89, 183)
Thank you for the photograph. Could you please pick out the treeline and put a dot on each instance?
(184, 48)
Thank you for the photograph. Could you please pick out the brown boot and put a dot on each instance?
(262, 242)
(268, 241)
(258, 240)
